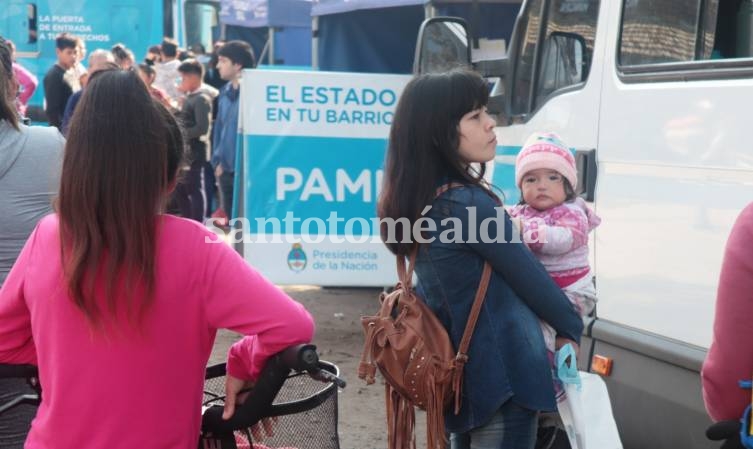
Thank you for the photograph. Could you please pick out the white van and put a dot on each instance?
(653, 97)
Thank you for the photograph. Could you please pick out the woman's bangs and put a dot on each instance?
(469, 90)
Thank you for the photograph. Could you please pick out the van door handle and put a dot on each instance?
(585, 162)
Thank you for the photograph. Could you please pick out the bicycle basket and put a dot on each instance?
(305, 409)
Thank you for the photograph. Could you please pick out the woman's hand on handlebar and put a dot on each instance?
(234, 394)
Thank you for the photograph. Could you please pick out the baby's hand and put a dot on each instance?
(562, 341)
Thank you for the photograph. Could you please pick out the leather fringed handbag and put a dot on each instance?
(411, 349)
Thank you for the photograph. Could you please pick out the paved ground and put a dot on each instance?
(339, 339)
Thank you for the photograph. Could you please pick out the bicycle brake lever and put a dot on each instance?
(322, 375)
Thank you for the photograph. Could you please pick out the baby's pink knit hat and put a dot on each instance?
(546, 150)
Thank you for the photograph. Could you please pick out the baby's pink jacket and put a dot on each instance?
(127, 388)
(560, 235)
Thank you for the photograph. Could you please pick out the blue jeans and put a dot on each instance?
(512, 427)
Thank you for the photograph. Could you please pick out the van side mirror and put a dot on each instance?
(443, 44)
(563, 61)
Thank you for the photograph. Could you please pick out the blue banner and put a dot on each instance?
(313, 148)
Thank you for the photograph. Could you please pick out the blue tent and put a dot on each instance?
(282, 26)
(379, 36)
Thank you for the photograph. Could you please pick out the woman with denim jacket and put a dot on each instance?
(442, 133)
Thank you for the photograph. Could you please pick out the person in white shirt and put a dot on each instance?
(167, 70)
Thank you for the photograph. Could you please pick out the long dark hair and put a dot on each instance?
(119, 163)
(7, 107)
(423, 145)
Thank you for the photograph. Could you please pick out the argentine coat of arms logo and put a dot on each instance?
(297, 258)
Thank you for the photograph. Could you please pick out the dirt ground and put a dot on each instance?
(339, 339)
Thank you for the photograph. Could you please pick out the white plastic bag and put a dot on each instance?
(601, 430)
(586, 411)
(571, 407)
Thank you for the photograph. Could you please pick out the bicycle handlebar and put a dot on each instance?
(18, 371)
(258, 405)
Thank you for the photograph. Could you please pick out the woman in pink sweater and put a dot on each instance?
(119, 305)
(27, 82)
(730, 357)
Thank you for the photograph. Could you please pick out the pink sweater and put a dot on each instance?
(139, 389)
(28, 84)
(730, 357)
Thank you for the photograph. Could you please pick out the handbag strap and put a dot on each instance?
(478, 301)
(405, 273)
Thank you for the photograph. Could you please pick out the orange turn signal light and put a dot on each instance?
(601, 365)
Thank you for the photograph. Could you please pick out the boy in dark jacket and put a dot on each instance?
(195, 115)
(56, 89)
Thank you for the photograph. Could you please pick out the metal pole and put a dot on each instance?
(315, 43)
(271, 54)
(475, 23)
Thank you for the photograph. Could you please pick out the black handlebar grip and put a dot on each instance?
(259, 401)
(257, 404)
(17, 371)
(722, 430)
(300, 357)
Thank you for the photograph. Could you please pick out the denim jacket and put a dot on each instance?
(507, 355)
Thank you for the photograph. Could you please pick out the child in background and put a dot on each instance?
(148, 74)
(75, 75)
(153, 55)
(554, 221)
(195, 116)
(124, 57)
(27, 82)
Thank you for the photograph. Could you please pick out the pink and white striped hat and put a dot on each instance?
(546, 150)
